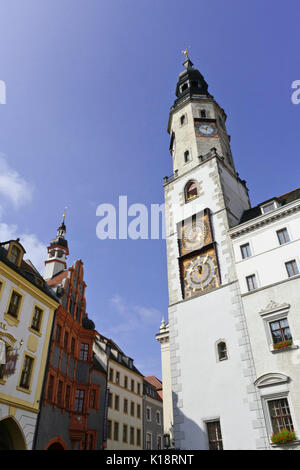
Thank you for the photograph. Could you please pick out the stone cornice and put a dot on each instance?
(264, 219)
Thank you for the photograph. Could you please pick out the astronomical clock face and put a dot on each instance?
(195, 234)
(200, 273)
(206, 129)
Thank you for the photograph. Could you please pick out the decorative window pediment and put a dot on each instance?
(274, 307)
(271, 379)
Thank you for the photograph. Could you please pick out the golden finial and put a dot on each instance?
(185, 52)
(65, 213)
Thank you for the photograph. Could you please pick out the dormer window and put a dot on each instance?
(14, 254)
(271, 206)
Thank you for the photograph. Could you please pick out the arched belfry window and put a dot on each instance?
(222, 350)
(191, 191)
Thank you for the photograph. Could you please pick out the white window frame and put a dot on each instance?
(148, 434)
(278, 312)
(276, 205)
(257, 282)
(150, 415)
(250, 248)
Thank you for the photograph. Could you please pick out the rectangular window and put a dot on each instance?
(125, 406)
(131, 435)
(251, 282)
(125, 381)
(214, 435)
(117, 377)
(110, 399)
(93, 398)
(158, 417)
(138, 411)
(159, 442)
(132, 408)
(280, 415)
(111, 375)
(108, 429)
(292, 268)
(14, 254)
(84, 352)
(138, 389)
(67, 397)
(148, 413)
(117, 400)
(280, 330)
(283, 236)
(269, 207)
(132, 385)
(138, 437)
(26, 372)
(59, 393)
(50, 388)
(58, 334)
(148, 441)
(79, 400)
(66, 340)
(73, 346)
(245, 250)
(37, 319)
(202, 113)
(14, 304)
(124, 432)
(116, 431)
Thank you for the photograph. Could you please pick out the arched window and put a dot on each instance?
(191, 191)
(222, 351)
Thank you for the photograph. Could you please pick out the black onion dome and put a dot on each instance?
(88, 324)
(190, 81)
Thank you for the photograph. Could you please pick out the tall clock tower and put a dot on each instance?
(211, 361)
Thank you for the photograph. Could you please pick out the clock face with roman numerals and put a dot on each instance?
(194, 233)
(194, 236)
(200, 273)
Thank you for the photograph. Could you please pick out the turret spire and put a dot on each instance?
(57, 252)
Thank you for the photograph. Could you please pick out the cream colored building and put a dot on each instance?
(124, 423)
(27, 308)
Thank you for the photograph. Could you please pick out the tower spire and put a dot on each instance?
(57, 252)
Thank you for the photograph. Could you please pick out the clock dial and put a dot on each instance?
(206, 129)
(200, 274)
(194, 233)
(194, 236)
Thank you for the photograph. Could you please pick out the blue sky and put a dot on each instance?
(89, 87)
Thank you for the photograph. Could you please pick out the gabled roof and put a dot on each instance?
(154, 381)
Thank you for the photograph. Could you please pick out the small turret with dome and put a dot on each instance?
(57, 252)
